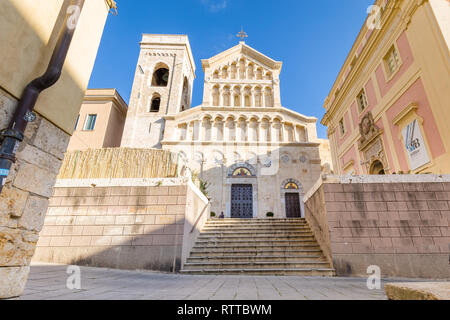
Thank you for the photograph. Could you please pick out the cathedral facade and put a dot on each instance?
(256, 157)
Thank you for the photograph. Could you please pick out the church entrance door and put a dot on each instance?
(242, 201)
(293, 205)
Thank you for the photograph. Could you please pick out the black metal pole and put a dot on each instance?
(12, 136)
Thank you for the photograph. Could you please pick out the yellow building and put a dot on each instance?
(29, 30)
(100, 121)
(389, 108)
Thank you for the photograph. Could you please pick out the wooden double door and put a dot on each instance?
(292, 201)
(242, 201)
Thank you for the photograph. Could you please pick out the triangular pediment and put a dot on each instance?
(237, 52)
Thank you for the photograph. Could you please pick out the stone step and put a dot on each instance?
(254, 229)
(262, 258)
(252, 238)
(279, 248)
(287, 220)
(255, 265)
(306, 272)
(257, 243)
(258, 224)
(255, 233)
(214, 252)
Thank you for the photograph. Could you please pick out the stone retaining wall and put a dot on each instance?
(399, 223)
(126, 227)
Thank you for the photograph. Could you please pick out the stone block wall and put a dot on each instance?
(400, 224)
(24, 199)
(126, 227)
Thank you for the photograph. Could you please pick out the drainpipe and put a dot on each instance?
(12, 136)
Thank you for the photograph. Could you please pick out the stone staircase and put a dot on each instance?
(257, 247)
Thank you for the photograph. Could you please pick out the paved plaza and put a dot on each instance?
(48, 281)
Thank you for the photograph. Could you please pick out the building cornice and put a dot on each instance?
(114, 97)
(407, 10)
(230, 110)
(245, 49)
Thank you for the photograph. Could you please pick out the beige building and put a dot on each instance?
(256, 155)
(100, 122)
(29, 31)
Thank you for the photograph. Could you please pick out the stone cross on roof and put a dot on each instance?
(242, 35)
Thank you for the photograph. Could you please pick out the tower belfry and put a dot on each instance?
(162, 86)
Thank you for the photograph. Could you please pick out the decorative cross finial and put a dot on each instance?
(242, 35)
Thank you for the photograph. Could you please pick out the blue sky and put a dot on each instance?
(312, 38)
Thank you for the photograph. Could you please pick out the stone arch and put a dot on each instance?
(233, 71)
(251, 71)
(259, 73)
(286, 185)
(160, 75)
(218, 157)
(258, 97)
(377, 167)
(216, 96)
(237, 96)
(225, 72)
(245, 165)
(198, 157)
(268, 75)
(242, 69)
(207, 125)
(155, 103)
(226, 96)
(182, 131)
(268, 97)
(247, 96)
(216, 75)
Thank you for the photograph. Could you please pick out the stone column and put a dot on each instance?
(226, 131)
(263, 98)
(214, 131)
(296, 134)
(201, 130)
(283, 132)
(274, 132)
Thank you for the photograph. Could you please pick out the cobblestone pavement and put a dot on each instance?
(49, 282)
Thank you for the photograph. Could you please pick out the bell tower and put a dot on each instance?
(162, 87)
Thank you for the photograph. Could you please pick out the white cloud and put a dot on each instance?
(214, 5)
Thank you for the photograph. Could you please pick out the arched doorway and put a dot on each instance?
(377, 168)
(292, 192)
(243, 191)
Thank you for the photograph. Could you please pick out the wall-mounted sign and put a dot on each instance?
(415, 145)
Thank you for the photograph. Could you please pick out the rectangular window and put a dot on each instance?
(90, 122)
(392, 61)
(341, 126)
(362, 100)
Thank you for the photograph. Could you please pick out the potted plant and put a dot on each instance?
(269, 214)
(212, 214)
